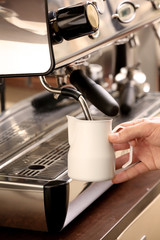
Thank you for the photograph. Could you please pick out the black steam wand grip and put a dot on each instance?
(127, 97)
(95, 93)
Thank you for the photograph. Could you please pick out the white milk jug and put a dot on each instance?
(91, 157)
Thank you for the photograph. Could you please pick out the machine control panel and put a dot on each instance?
(126, 12)
(116, 19)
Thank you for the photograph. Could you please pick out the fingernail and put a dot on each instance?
(114, 180)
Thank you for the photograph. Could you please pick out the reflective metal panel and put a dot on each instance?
(111, 28)
(27, 199)
(24, 43)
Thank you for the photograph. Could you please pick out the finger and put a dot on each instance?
(130, 173)
(133, 122)
(122, 126)
(130, 133)
(126, 124)
(119, 147)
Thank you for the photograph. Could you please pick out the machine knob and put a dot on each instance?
(126, 12)
(78, 20)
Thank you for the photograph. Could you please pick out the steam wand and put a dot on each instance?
(68, 91)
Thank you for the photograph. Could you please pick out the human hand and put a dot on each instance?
(144, 136)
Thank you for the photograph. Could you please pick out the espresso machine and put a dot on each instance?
(94, 51)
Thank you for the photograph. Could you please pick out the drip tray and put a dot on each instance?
(47, 160)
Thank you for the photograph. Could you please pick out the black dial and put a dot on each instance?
(77, 21)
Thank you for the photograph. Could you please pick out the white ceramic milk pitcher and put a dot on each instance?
(91, 157)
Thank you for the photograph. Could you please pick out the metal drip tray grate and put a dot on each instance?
(46, 161)
(15, 130)
(28, 172)
(54, 155)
